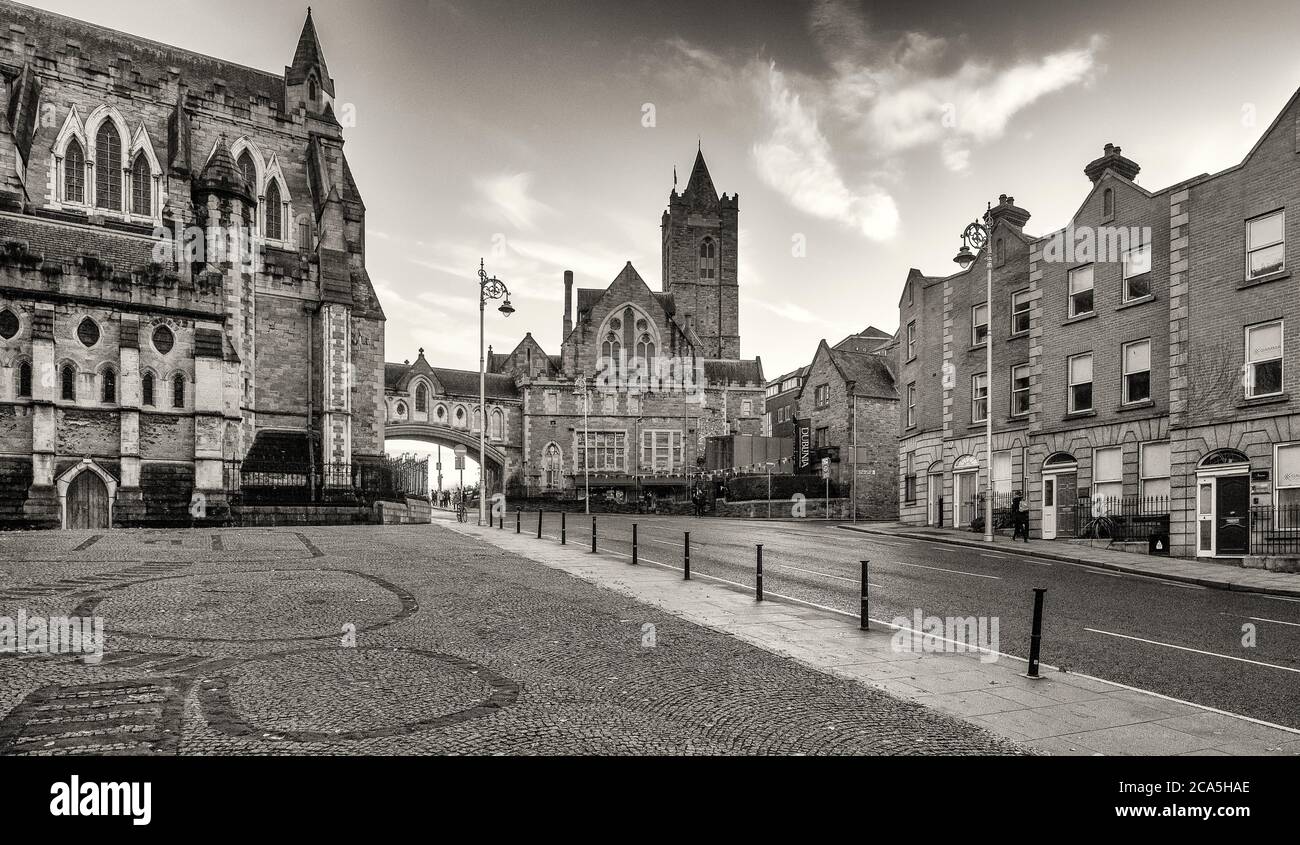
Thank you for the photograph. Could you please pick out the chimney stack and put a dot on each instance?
(568, 304)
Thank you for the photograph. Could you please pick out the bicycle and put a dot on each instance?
(461, 514)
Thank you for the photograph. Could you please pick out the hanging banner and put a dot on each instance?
(803, 446)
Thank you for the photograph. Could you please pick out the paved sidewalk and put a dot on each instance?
(1219, 576)
(1062, 713)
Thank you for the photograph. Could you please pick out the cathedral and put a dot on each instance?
(183, 285)
(642, 376)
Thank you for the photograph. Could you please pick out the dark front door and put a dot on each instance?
(87, 502)
(1232, 515)
(1067, 497)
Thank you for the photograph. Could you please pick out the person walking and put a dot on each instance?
(1019, 517)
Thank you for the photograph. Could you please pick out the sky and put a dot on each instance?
(860, 136)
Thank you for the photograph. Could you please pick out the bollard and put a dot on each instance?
(563, 538)
(501, 521)
(539, 525)
(519, 518)
(862, 620)
(593, 535)
(1036, 635)
(634, 544)
(758, 580)
(687, 559)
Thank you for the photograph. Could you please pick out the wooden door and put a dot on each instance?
(87, 502)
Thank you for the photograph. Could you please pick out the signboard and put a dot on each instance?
(826, 467)
(460, 462)
(803, 446)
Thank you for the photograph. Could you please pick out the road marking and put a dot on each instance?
(1277, 598)
(1274, 621)
(1196, 651)
(1107, 573)
(954, 571)
(1047, 666)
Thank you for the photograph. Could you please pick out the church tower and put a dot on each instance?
(700, 243)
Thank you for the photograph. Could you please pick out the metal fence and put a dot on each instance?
(294, 483)
(1274, 530)
(1121, 519)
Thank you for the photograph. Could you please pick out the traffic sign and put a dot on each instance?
(826, 467)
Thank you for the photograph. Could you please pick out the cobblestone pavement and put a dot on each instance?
(240, 642)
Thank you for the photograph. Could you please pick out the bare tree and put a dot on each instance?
(1213, 380)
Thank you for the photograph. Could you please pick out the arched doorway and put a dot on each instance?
(87, 496)
(1060, 495)
(934, 494)
(1223, 504)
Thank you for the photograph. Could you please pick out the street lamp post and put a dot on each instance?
(586, 444)
(976, 235)
(489, 287)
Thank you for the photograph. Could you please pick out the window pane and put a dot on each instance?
(1287, 471)
(1267, 378)
(1266, 260)
(1264, 231)
(1137, 261)
(1155, 460)
(1156, 487)
(1137, 387)
(1081, 279)
(1108, 464)
(1137, 288)
(1264, 342)
(1137, 357)
(1081, 369)
(1081, 397)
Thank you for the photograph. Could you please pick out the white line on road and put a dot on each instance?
(953, 571)
(1196, 650)
(1274, 621)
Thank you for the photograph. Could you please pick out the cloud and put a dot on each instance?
(796, 159)
(506, 197)
(788, 311)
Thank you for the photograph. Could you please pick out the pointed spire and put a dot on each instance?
(221, 175)
(700, 186)
(308, 57)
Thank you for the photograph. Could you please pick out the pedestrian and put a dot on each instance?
(1019, 517)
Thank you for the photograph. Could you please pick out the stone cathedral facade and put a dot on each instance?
(183, 282)
(642, 377)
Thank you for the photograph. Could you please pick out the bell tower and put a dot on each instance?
(700, 243)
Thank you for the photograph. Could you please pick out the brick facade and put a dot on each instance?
(1183, 313)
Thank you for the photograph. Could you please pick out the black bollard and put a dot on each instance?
(862, 620)
(519, 518)
(563, 538)
(593, 535)
(501, 521)
(758, 580)
(539, 525)
(1036, 635)
(634, 544)
(687, 556)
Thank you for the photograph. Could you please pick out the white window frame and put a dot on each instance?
(976, 398)
(1278, 486)
(1003, 472)
(1252, 248)
(1144, 478)
(1124, 372)
(1073, 292)
(605, 451)
(1125, 294)
(1020, 390)
(1016, 311)
(1107, 483)
(1250, 365)
(670, 449)
(911, 340)
(974, 325)
(911, 404)
(1070, 384)
(822, 396)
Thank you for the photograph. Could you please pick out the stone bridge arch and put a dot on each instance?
(444, 435)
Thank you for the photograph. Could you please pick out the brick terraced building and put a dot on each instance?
(1144, 363)
(134, 374)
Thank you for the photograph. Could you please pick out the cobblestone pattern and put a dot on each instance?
(237, 642)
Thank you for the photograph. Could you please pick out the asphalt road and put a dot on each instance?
(1179, 640)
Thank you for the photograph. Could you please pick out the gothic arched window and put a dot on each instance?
(108, 386)
(74, 173)
(108, 167)
(1107, 202)
(421, 399)
(708, 259)
(274, 214)
(141, 186)
(249, 170)
(25, 379)
(68, 383)
(146, 389)
(552, 466)
(498, 424)
(178, 391)
(645, 350)
(609, 352)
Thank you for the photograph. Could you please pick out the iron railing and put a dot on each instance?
(1120, 519)
(1274, 530)
(293, 483)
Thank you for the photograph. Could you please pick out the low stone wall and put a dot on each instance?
(410, 511)
(272, 515)
(1273, 563)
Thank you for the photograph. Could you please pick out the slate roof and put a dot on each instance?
(745, 371)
